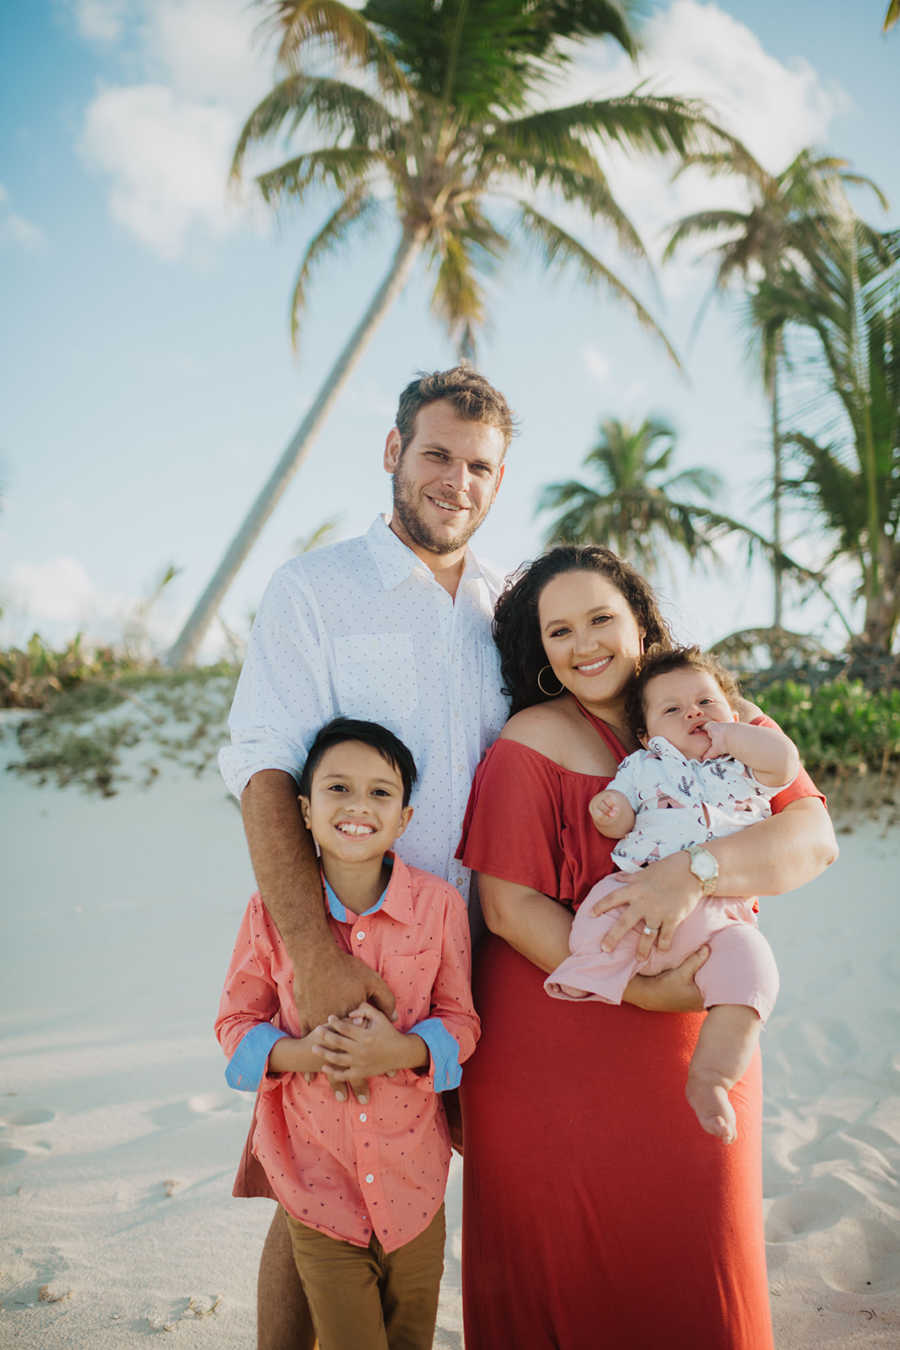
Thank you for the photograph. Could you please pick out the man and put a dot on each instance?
(393, 626)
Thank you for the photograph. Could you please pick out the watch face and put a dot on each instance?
(704, 866)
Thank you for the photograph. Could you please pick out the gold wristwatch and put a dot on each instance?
(704, 867)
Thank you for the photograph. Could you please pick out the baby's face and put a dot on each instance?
(678, 704)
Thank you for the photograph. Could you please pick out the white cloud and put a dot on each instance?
(168, 159)
(59, 591)
(101, 20)
(15, 228)
(209, 49)
(596, 364)
(698, 51)
(166, 143)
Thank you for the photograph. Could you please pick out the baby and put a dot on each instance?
(702, 774)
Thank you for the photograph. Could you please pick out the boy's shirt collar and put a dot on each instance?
(395, 899)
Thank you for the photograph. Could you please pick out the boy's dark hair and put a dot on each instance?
(657, 662)
(472, 396)
(341, 729)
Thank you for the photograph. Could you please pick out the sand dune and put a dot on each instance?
(119, 1136)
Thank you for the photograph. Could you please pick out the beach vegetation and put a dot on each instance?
(841, 728)
(842, 316)
(634, 499)
(439, 116)
(788, 223)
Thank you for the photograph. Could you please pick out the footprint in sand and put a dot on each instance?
(809, 1210)
(37, 1116)
(23, 1120)
(186, 1112)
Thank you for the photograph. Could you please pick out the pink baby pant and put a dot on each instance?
(740, 967)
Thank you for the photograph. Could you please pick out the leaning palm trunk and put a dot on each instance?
(185, 648)
(777, 488)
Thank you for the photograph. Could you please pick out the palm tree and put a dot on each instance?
(631, 503)
(849, 472)
(784, 225)
(446, 129)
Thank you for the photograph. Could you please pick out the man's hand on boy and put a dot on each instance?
(334, 983)
(365, 1044)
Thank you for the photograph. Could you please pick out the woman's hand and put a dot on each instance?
(653, 901)
(672, 991)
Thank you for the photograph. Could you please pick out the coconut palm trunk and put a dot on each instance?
(184, 650)
(777, 491)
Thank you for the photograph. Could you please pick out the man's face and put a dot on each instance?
(445, 480)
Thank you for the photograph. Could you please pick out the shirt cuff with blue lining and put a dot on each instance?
(444, 1051)
(248, 1063)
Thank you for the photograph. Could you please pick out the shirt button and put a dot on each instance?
(360, 937)
(460, 880)
(363, 1117)
(369, 1178)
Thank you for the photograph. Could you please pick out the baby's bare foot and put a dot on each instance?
(708, 1096)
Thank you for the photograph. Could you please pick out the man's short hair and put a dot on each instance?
(473, 398)
(663, 663)
(341, 729)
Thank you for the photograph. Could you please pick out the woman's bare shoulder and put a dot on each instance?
(544, 728)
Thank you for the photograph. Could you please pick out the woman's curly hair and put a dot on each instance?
(517, 630)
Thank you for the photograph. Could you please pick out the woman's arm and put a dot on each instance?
(538, 929)
(768, 858)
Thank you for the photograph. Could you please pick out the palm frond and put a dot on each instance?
(700, 225)
(559, 248)
(356, 206)
(635, 121)
(588, 190)
(339, 169)
(342, 28)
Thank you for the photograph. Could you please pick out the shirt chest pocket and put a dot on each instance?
(375, 678)
(411, 976)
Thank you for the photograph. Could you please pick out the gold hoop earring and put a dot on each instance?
(548, 693)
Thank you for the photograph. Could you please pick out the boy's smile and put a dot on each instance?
(355, 806)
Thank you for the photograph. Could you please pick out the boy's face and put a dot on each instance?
(679, 703)
(355, 809)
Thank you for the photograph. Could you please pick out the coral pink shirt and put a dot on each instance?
(345, 1168)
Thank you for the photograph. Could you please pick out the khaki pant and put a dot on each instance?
(364, 1298)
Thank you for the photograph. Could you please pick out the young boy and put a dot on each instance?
(702, 774)
(362, 1182)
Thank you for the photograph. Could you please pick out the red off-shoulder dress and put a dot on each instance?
(597, 1214)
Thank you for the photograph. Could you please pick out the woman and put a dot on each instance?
(596, 1212)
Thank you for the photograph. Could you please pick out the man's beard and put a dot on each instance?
(416, 528)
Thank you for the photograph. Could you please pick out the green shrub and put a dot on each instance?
(839, 727)
(32, 676)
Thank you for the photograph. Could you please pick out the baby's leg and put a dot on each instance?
(721, 1058)
(739, 983)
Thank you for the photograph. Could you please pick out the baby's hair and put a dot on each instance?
(341, 729)
(657, 662)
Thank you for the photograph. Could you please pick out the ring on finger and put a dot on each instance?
(650, 932)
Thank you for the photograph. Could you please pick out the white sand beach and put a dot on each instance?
(118, 1135)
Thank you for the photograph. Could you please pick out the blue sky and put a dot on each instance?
(148, 383)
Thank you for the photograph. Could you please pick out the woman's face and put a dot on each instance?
(590, 635)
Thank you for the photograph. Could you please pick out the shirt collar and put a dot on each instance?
(395, 899)
(395, 562)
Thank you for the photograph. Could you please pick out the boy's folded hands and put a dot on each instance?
(365, 1044)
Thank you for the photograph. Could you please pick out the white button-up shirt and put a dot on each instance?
(363, 629)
